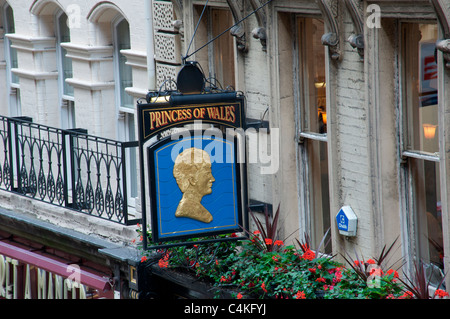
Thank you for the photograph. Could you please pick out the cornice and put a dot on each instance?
(88, 53)
(31, 44)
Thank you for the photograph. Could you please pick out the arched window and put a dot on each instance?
(123, 72)
(66, 91)
(12, 80)
(65, 63)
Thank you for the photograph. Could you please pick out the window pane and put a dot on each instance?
(125, 71)
(223, 47)
(320, 200)
(427, 205)
(68, 115)
(421, 87)
(66, 63)
(315, 117)
(217, 59)
(10, 28)
(133, 192)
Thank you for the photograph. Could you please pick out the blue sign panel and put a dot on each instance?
(342, 220)
(195, 190)
(346, 221)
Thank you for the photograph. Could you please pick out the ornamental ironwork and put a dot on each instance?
(67, 168)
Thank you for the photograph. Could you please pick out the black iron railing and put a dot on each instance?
(67, 168)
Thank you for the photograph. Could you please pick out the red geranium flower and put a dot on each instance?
(263, 287)
(441, 293)
(278, 243)
(300, 295)
(309, 255)
(321, 279)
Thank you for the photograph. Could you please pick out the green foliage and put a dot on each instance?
(263, 267)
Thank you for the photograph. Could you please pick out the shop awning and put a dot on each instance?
(54, 266)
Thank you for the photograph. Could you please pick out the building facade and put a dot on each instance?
(355, 96)
(70, 66)
(347, 101)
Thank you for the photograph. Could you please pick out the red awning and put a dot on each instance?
(56, 267)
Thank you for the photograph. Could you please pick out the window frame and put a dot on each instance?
(205, 33)
(116, 61)
(305, 136)
(13, 87)
(67, 101)
(59, 52)
(411, 225)
(126, 115)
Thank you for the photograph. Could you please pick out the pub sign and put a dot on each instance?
(197, 184)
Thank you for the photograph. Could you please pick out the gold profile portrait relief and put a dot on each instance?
(192, 172)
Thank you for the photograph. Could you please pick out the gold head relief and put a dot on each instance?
(192, 172)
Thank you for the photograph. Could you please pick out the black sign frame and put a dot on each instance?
(216, 108)
(229, 111)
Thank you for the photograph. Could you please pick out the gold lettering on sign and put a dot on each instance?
(160, 118)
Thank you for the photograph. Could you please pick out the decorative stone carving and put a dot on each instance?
(331, 39)
(166, 76)
(444, 19)
(260, 33)
(238, 31)
(261, 17)
(167, 47)
(163, 16)
(357, 40)
(167, 42)
(444, 47)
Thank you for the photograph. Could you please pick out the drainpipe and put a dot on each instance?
(151, 70)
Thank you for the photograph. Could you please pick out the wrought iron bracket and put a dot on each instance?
(443, 16)
(257, 124)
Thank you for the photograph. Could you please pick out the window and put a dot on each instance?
(131, 157)
(420, 141)
(62, 34)
(217, 60)
(123, 71)
(12, 79)
(65, 63)
(126, 126)
(312, 124)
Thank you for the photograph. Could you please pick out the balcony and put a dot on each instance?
(66, 168)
